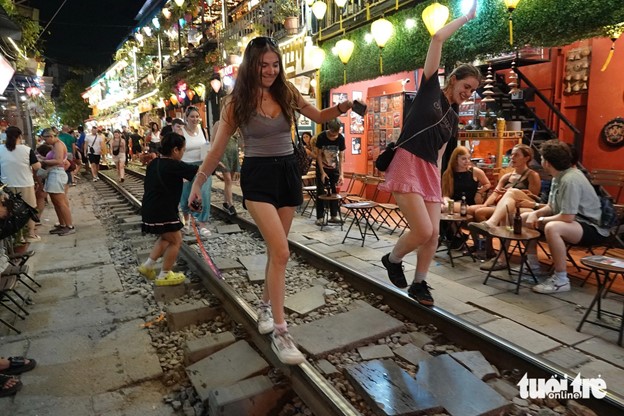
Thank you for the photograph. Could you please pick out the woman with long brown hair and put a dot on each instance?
(462, 179)
(263, 105)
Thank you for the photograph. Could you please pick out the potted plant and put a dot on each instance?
(287, 12)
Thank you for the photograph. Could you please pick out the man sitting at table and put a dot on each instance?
(572, 214)
(329, 164)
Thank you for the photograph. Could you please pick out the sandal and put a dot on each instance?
(18, 365)
(170, 279)
(33, 238)
(5, 389)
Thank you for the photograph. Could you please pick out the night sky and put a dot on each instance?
(86, 32)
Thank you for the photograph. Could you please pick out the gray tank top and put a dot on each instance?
(266, 136)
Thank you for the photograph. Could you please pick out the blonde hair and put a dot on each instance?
(447, 176)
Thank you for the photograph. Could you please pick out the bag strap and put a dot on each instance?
(423, 130)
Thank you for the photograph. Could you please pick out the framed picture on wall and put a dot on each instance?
(339, 97)
(356, 146)
(357, 95)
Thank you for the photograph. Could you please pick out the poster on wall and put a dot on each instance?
(357, 95)
(357, 123)
(339, 97)
(356, 146)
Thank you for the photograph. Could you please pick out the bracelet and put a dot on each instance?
(339, 110)
(467, 20)
(199, 172)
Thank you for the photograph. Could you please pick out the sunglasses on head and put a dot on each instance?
(262, 41)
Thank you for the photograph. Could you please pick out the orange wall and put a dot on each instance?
(358, 163)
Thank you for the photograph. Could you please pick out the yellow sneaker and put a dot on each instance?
(170, 279)
(147, 272)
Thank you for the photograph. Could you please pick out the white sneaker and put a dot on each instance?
(204, 232)
(265, 319)
(552, 285)
(284, 347)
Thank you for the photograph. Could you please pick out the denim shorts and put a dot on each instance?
(275, 180)
(56, 181)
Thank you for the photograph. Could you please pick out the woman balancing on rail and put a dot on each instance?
(264, 106)
(413, 176)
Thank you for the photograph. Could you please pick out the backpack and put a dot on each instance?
(609, 216)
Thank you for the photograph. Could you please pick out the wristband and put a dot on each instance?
(199, 172)
(467, 20)
(339, 110)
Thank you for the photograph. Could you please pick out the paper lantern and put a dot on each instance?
(319, 8)
(435, 16)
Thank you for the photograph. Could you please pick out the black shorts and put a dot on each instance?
(93, 158)
(591, 236)
(275, 180)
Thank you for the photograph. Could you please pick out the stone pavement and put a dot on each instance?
(84, 329)
(543, 324)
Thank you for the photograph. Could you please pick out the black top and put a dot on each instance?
(330, 149)
(136, 140)
(430, 105)
(464, 184)
(163, 188)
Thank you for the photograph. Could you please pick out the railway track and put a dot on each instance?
(330, 397)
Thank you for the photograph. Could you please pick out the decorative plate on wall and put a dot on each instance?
(613, 132)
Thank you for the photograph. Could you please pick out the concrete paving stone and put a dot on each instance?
(504, 388)
(357, 264)
(362, 253)
(420, 339)
(411, 353)
(566, 357)
(85, 311)
(401, 395)
(228, 229)
(327, 368)
(571, 315)
(96, 280)
(344, 331)
(26, 403)
(542, 323)
(200, 348)
(88, 360)
(612, 375)
(471, 396)
(375, 352)
(140, 400)
(225, 263)
(254, 262)
(337, 254)
(605, 350)
(256, 276)
(137, 219)
(533, 302)
(324, 248)
(256, 396)
(476, 363)
(521, 335)
(306, 301)
(383, 243)
(190, 313)
(478, 317)
(225, 367)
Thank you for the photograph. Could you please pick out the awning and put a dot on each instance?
(9, 28)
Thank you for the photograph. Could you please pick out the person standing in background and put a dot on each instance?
(329, 163)
(92, 147)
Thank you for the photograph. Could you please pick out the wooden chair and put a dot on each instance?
(389, 214)
(614, 179)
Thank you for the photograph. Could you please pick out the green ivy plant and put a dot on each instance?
(537, 23)
(30, 42)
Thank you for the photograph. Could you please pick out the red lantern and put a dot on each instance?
(190, 94)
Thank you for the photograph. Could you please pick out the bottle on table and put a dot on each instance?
(463, 207)
(517, 222)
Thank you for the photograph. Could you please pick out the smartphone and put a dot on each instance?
(359, 108)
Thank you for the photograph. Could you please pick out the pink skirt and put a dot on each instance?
(410, 174)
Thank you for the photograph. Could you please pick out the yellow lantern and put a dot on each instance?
(340, 3)
(319, 8)
(173, 99)
(615, 33)
(317, 56)
(511, 6)
(166, 12)
(179, 2)
(435, 16)
(382, 31)
(344, 47)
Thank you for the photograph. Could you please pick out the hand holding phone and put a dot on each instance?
(196, 205)
(359, 108)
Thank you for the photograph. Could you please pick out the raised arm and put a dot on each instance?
(324, 115)
(434, 54)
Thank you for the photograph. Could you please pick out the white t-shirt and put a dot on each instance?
(96, 142)
(15, 166)
(195, 145)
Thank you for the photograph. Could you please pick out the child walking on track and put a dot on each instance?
(163, 188)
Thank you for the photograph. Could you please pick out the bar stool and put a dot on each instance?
(521, 241)
(605, 266)
(456, 222)
(361, 213)
(327, 199)
(311, 202)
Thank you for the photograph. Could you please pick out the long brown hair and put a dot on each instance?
(12, 134)
(447, 177)
(244, 97)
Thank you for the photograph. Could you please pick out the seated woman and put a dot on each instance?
(462, 179)
(520, 187)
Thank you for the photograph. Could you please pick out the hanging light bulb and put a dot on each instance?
(147, 30)
(435, 16)
(156, 23)
(166, 12)
(319, 8)
(179, 2)
(139, 37)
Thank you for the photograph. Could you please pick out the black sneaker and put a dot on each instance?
(395, 272)
(232, 210)
(420, 293)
